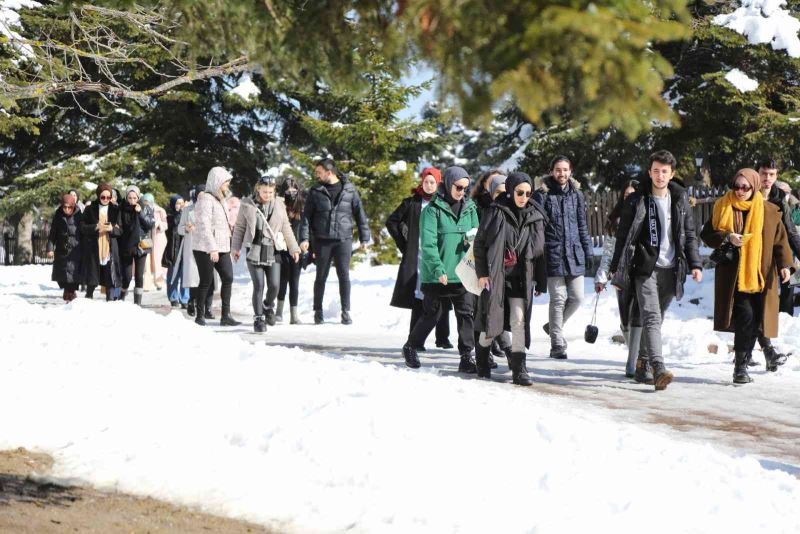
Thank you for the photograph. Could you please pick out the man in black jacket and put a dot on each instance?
(656, 245)
(768, 170)
(330, 209)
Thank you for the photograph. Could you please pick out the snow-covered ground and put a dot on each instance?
(321, 428)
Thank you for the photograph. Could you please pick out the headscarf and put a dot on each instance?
(134, 189)
(514, 179)
(497, 181)
(104, 187)
(173, 200)
(750, 279)
(427, 171)
(148, 197)
(451, 176)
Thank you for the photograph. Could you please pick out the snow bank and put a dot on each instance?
(764, 21)
(126, 399)
(741, 81)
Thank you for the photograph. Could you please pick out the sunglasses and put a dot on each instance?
(746, 188)
(267, 180)
(105, 197)
(460, 188)
(526, 194)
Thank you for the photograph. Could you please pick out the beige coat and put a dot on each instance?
(212, 230)
(245, 229)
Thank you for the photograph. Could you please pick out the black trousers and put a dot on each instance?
(109, 292)
(133, 268)
(442, 326)
(290, 276)
(747, 316)
(463, 306)
(209, 300)
(258, 273)
(224, 268)
(339, 252)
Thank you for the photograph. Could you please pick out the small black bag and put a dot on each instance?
(724, 255)
(590, 335)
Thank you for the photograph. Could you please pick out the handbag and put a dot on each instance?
(509, 258)
(145, 243)
(465, 270)
(277, 239)
(590, 335)
(723, 255)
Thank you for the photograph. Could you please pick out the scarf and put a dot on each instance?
(103, 242)
(751, 279)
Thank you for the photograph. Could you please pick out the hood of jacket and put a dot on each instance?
(216, 177)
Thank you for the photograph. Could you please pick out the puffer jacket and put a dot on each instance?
(567, 240)
(245, 229)
(135, 227)
(212, 231)
(443, 240)
(322, 219)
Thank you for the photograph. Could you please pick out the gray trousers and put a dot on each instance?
(566, 296)
(654, 293)
(516, 316)
(272, 274)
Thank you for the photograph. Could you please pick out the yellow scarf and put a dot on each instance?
(751, 279)
(103, 242)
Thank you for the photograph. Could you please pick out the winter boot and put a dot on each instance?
(482, 355)
(496, 350)
(122, 294)
(269, 316)
(295, 317)
(558, 353)
(507, 352)
(259, 325)
(444, 344)
(519, 370)
(201, 317)
(643, 373)
(410, 355)
(773, 358)
(318, 318)
(740, 375)
(661, 377)
(633, 339)
(279, 311)
(207, 313)
(190, 309)
(346, 317)
(467, 364)
(137, 296)
(227, 319)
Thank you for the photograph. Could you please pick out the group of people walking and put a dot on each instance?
(514, 237)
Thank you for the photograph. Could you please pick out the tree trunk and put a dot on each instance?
(23, 253)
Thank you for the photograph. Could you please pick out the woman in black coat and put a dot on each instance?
(137, 221)
(403, 226)
(173, 255)
(64, 246)
(509, 262)
(100, 229)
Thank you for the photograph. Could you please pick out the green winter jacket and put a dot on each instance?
(443, 239)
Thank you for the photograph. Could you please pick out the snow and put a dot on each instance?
(426, 136)
(9, 18)
(398, 167)
(764, 21)
(303, 440)
(246, 89)
(741, 81)
(512, 162)
(526, 131)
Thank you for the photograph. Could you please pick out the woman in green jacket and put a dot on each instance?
(444, 227)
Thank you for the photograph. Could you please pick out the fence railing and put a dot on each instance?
(9, 252)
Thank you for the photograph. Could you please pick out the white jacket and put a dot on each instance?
(212, 229)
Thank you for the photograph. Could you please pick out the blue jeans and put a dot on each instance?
(173, 292)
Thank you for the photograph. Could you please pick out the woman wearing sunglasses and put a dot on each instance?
(135, 242)
(64, 246)
(509, 262)
(445, 225)
(264, 231)
(746, 284)
(101, 226)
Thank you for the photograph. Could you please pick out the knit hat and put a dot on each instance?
(104, 187)
(497, 181)
(134, 189)
(514, 179)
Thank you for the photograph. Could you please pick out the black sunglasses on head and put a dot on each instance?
(267, 180)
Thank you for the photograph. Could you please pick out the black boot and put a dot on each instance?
(269, 316)
(740, 375)
(661, 377)
(190, 308)
(519, 370)
(137, 296)
(122, 294)
(467, 364)
(318, 318)
(773, 358)
(644, 373)
(496, 350)
(482, 355)
(750, 361)
(206, 312)
(444, 344)
(410, 355)
(346, 317)
(227, 319)
(201, 318)
(259, 325)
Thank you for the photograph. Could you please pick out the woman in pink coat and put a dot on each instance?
(159, 234)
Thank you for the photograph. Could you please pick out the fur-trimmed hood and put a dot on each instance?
(547, 183)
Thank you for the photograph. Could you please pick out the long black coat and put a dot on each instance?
(174, 239)
(65, 243)
(403, 226)
(92, 270)
(492, 315)
(135, 227)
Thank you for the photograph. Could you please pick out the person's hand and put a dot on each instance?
(443, 279)
(598, 287)
(236, 254)
(189, 227)
(697, 275)
(786, 274)
(304, 246)
(483, 282)
(214, 256)
(51, 255)
(736, 239)
(137, 208)
(296, 256)
(100, 227)
(109, 227)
